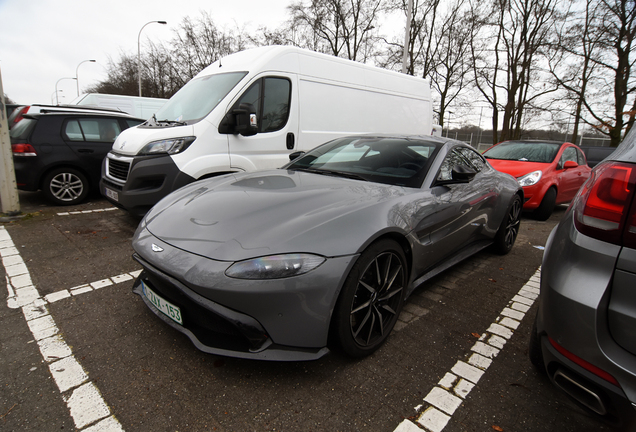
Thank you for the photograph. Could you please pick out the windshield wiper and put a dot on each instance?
(332, 173)
(172, 122)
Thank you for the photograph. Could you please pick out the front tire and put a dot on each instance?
(546, 207)
(509, 228)
(65, 186)
(371, 299)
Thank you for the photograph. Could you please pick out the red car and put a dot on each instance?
(550, 172)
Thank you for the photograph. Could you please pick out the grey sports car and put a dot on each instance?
(282, 264)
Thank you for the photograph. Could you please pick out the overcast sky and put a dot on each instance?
(45, 40)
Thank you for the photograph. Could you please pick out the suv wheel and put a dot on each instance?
(65, 186)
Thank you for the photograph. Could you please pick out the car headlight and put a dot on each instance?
(274, 266)
(169, 146)
(530, 179)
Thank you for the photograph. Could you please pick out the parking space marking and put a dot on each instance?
(445, 398)
(86, 405)
(81, 289)
(69, 213)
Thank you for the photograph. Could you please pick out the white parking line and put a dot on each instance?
(444, 399)
(86, 405)
(81, 289)
(87, 211)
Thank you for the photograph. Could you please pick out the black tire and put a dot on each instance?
(509, 228)
(534, 349)
(65, 186)
(546, 207)
(371, 299)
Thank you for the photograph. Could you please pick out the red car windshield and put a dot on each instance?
(524, 151)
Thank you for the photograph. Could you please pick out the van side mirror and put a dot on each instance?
(246, 122)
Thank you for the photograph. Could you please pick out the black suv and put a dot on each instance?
(61, 153)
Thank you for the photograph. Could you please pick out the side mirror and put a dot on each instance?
(463, 174)
(246, 123)
(570, 164)
(295, 155)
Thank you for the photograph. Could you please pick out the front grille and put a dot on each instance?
(118, 169)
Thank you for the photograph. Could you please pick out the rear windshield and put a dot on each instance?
(22, 130)
(198, 97)
(524, 151)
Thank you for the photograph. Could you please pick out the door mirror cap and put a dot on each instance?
(295, 155)
(246, 120)
(570, 164)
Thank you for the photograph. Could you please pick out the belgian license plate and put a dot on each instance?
(168, 309)
(111, 194)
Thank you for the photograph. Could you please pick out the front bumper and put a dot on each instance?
(279, 319)
(141, 181)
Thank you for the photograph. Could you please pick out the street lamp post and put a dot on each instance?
(139, 50)
(76, 77)
(57, 101)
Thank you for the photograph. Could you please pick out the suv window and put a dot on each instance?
(93, 129)
(270, 97)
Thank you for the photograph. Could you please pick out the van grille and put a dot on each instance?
(118, 169)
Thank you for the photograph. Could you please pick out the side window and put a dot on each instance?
(91, 129)
(133, 123)
(569, 154)
(275, 104)
(475, 159)
(446, 170)
(581, 157)
(73, 131)
(252, 96)
(270, 97)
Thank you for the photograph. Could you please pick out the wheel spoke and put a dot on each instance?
(371, 328)
(364, 320)
(362, 306)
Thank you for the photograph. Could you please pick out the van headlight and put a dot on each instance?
(274, 266)
(530, 179)
(169, 146)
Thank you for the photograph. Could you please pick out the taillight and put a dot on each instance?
(602, 204)
(19, 117)
(23, 150)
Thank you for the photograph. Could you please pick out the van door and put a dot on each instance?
(275, 99)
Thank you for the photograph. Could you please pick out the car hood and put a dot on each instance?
(517, 168)
(242, 216)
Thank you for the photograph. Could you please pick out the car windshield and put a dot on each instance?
(524, 151)
(394, 161)
(197, 98)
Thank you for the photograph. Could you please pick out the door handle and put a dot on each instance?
(290, 141)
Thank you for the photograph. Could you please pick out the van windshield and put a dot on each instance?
(197, 98)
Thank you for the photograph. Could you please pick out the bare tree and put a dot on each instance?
(343, 28)
(506, 47)
(618, 27)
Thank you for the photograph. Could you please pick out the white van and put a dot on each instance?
(250, 111)
(140, 107)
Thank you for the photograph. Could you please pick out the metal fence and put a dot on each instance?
(482, 141)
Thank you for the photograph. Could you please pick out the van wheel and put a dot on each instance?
(65, 186)
(371, 299)
(546, 207)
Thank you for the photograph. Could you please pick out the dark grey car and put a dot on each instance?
(280, 264)
(585, 330)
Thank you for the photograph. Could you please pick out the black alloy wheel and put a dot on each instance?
(509, 228)
(371, 299)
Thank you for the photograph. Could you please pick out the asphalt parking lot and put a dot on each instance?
(86, 353)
